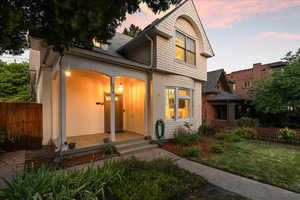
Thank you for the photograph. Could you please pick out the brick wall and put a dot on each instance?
(208, 111)
(240, 77)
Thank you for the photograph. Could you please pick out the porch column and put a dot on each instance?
(112, 110)
(62, 109)
(146, 108)
(231, 113)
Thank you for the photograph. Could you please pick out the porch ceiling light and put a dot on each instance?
(67, 73)
(120, 88)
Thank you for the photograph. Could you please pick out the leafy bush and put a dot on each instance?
(191, 151)
(184, 137)
(229, 137)
(45, 183)
(288, 135)
(248, 122)
(205, 129)
(2, 136)
(246, 132)
(217, 148)
(125, 180)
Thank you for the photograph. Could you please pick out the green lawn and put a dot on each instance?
(276, 164)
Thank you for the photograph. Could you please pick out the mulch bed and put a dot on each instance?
(46, 157)
(205, 145)
(83, 159)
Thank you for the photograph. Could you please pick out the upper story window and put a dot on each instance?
(247, 84)
(185, 48)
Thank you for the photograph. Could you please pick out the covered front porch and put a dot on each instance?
(90, 107)
(84, 141)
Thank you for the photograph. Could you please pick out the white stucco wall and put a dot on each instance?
(44, 90)
(84, 89)
(134, 101)
(160, 82)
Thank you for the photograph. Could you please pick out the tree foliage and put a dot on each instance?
(133, 30)
(292, 57)
(65, 23)
(14, 81)
(280, 92)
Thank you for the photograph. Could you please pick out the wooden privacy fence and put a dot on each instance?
(268, 134)
(23, 125)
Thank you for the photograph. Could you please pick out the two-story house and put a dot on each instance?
(119, 90)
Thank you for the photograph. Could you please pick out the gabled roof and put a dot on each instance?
(115, 43)
(150, 30)
(226, 96)
(276, 64)
(212, 80)
(153, 29)
(210, 86)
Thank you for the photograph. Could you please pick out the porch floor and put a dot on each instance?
(97, 139)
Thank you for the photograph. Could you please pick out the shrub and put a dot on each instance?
(229, 137)
(183, 137)
(191, 151)
(288, 135)
(248, 122)
(217, 148)
(44, 183)
(246, 132)
(130, 179)
(206, 130)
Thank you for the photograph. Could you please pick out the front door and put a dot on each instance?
(118, 112)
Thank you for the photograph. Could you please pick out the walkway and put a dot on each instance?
(10, 164)
(234, 183)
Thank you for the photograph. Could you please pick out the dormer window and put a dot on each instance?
(100, 45)
(185, 49)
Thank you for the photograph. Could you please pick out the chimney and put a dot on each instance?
(257, 65)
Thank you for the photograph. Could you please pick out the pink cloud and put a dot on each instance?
(223, 13)
(275, 35)
(219, 13)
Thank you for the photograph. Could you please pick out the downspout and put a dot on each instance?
(151, 51)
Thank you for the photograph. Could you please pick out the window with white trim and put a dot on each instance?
(185, 49)
(178, 104)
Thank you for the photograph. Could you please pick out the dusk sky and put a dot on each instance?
(241, 32)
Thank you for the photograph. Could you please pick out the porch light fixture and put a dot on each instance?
(108, 98)
(120, 88)
(67, 73)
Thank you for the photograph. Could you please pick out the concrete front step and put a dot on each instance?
(137, 149)
(129, 141)
(85, 150)
(130, 145)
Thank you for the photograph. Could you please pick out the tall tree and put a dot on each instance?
(280, 92)
(133, 30)
(65, 23)
(14, 81)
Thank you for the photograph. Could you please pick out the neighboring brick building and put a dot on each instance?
(245, 79)
(220, 105)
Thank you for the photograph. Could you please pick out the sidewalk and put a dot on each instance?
(243, 186)
(10, 164)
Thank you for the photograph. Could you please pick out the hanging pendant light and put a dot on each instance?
(120, 88)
